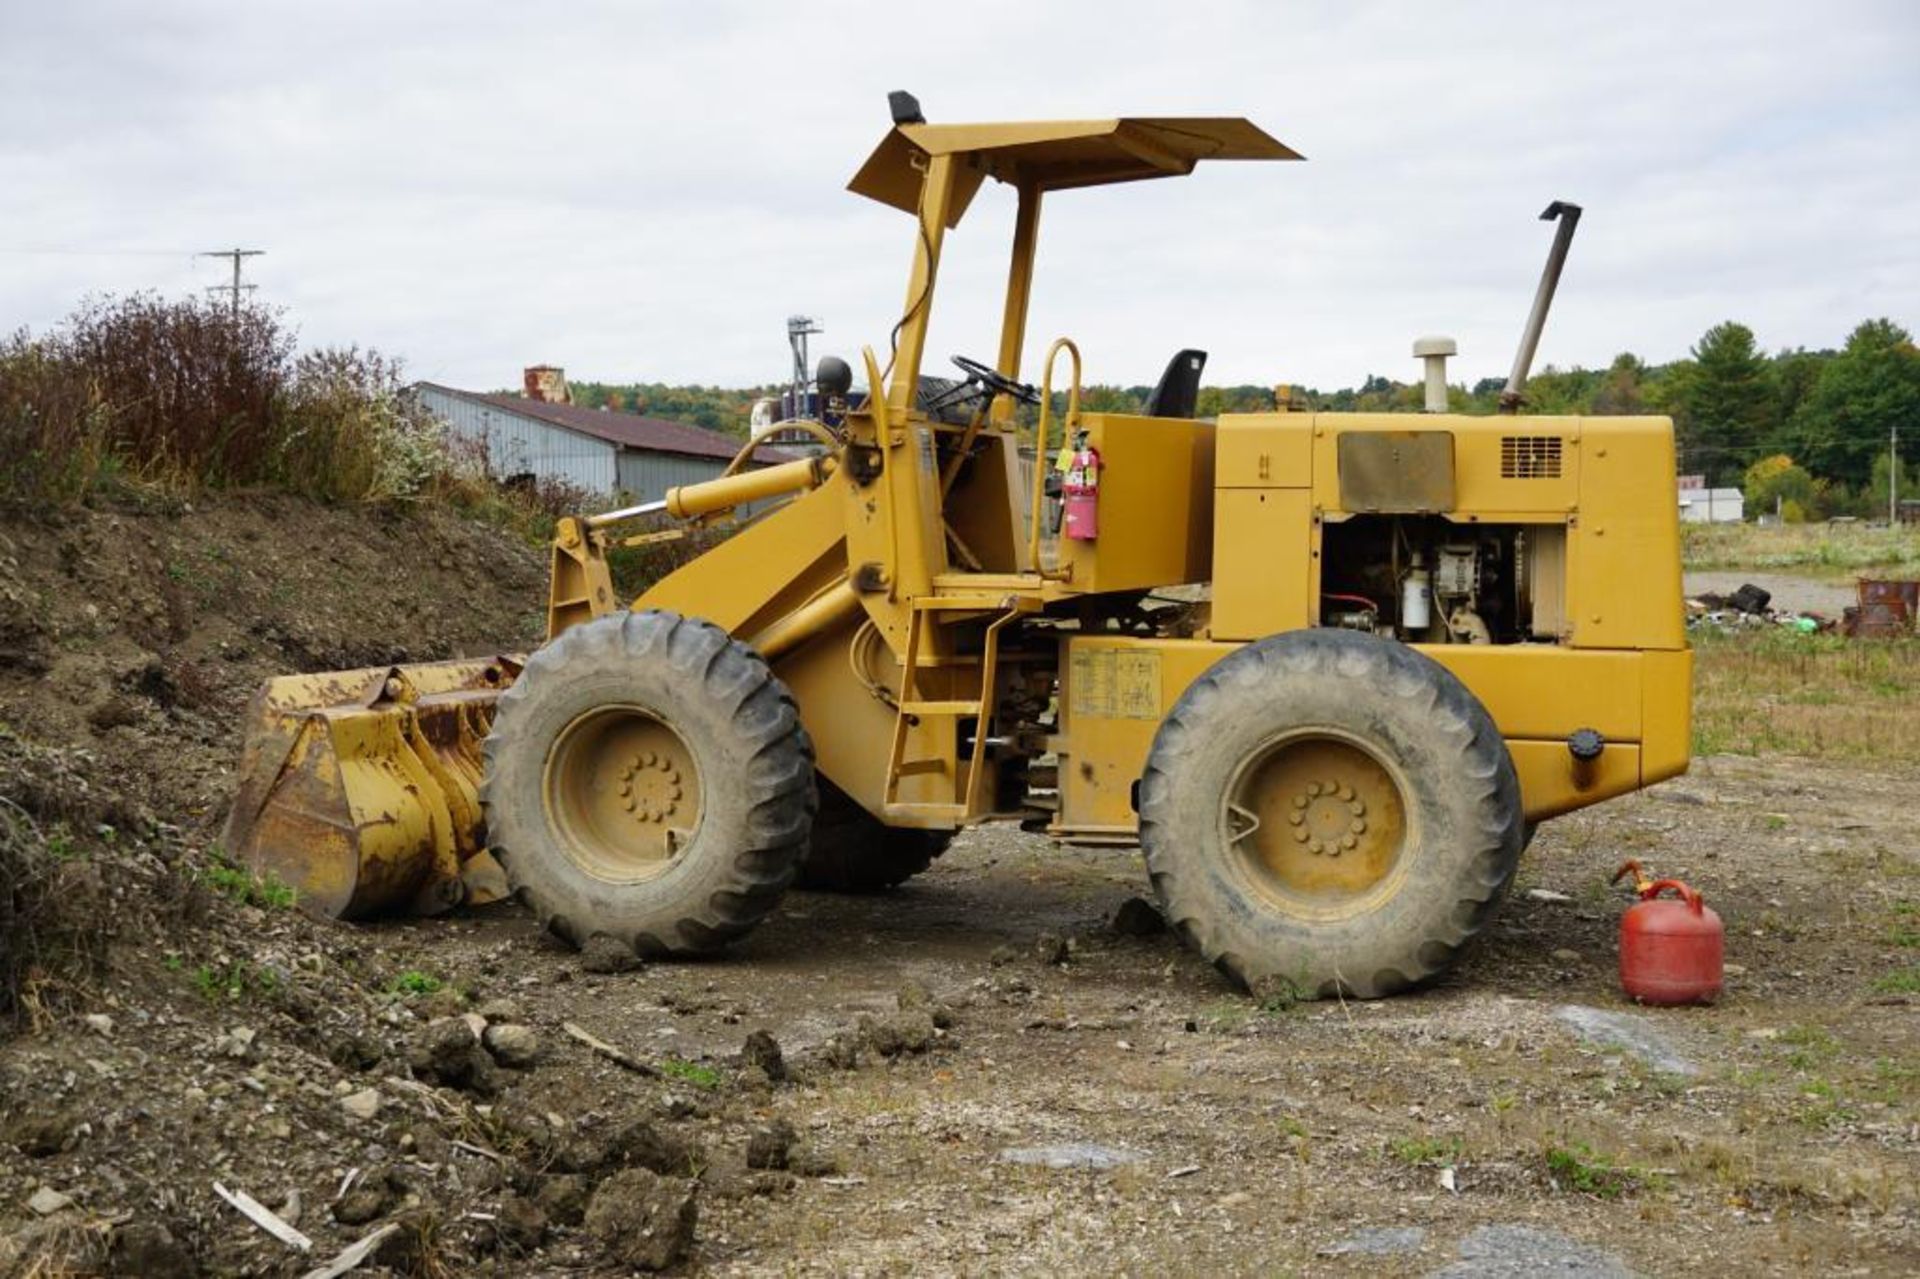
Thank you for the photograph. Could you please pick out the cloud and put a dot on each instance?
(646, 191)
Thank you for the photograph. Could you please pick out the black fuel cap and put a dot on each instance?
(1585, 744)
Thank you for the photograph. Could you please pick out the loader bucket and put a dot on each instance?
(360, 789)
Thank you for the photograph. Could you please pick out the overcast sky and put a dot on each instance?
(644, 191)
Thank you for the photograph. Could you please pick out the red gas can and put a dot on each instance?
(1671, 952)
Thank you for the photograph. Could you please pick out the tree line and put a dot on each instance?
(1802, 431)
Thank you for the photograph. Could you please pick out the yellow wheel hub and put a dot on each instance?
(622, 793)
(1318, 823)
(650, 787)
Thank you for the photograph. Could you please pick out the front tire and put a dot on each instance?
(647, 777)
(1330, 811)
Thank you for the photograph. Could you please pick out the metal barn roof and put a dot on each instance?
(630, 430)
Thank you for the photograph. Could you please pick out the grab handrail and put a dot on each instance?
(1040, 464)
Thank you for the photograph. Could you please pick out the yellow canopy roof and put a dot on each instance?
(1056, 155)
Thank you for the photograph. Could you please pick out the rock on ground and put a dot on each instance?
(841, 1051)
(1071, 1154)
(513, 1046)
(1378, 1241)
(643, 1220)
(1521, 1252)
(634, 1141)
(496, 1011)
(769, 1146)
(604, 954)
(149, 1249)
(909, 1031)
(362, 1105)
(563, 1199)
(763, 1050)
(1629, 1032)
(46, 1201)
(449, 1052)
(523, 1223)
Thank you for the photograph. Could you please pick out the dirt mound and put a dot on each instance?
(130, 642)
(182, 1037)
(136, 636)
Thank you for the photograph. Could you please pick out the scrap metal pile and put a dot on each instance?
(1886, 610)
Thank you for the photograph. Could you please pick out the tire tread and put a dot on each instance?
(1445, 703)
(762, 713)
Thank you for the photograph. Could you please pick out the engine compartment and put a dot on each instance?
(1428, 579)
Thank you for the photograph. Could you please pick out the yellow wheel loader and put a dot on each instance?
(1327, 670)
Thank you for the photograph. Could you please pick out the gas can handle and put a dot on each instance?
(1687, 893)
(1632, 867)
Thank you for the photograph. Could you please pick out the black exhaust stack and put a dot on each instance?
(1568, 216)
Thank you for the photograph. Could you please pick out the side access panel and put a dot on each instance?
(1156, 505)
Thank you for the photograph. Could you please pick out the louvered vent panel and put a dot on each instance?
(1529, 457)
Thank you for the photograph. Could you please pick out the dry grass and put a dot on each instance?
(1824, 550)
(1775, 691)
(52, 945)
(54, 926)
(149, 394)
(57, 1248)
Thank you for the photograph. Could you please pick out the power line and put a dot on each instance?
(236, 288)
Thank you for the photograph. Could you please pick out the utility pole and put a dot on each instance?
(236, 288)
(1893, 477)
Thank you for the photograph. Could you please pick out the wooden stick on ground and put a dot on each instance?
(353, 1255)
(264, 1217)
(615, 1055)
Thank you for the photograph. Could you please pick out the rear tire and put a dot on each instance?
(852, 851)
(1330, 812)
(647, 777)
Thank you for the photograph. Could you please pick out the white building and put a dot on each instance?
(1712, 506)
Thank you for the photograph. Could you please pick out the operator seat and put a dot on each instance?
(1179, 389)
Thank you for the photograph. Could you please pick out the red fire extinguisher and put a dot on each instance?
(1671, 951)
(1081, 491)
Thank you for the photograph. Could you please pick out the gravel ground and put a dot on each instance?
(974, 1074)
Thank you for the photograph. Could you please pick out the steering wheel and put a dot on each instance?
(996, 381)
